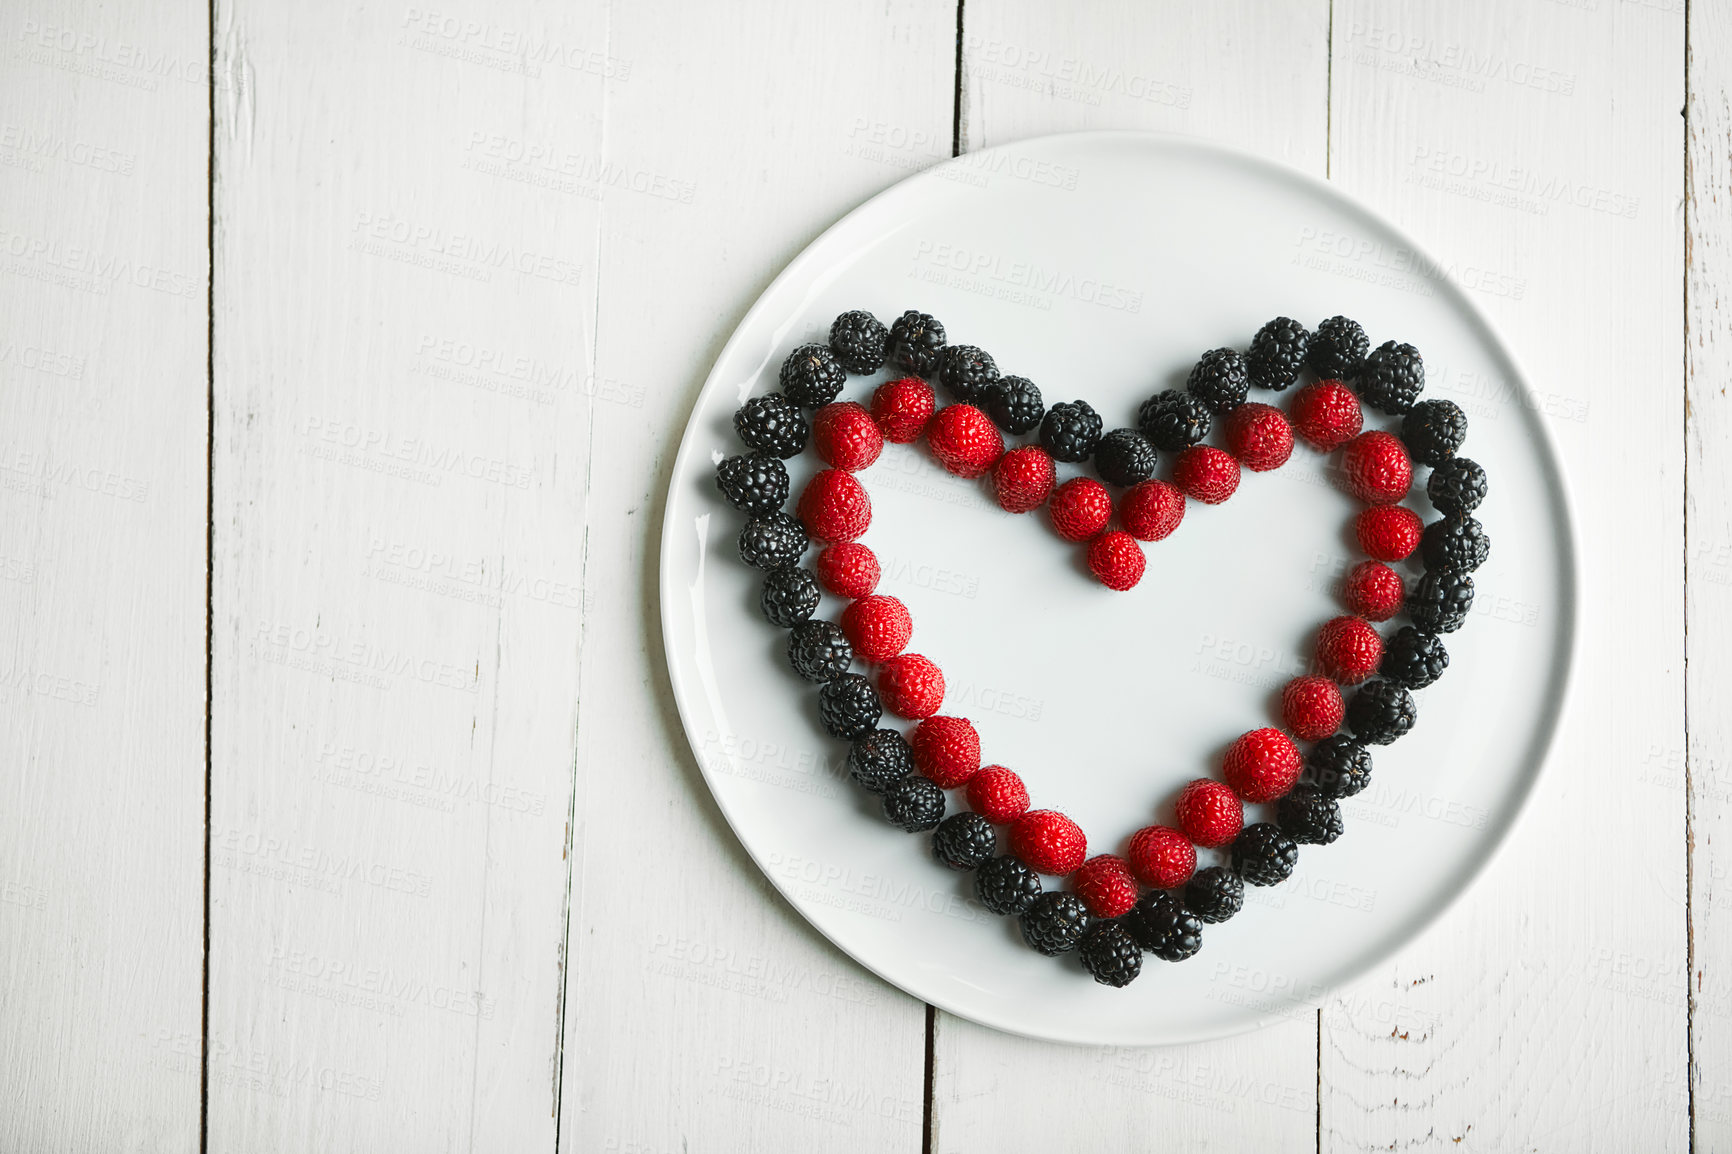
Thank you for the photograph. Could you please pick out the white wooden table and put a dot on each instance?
(343, 352)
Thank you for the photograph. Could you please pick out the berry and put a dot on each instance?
(772, 424)
(1348, 650)
(1263, 855)
(1006, 886)
(1162, 857)
(878, 760)
(1023, 479)
(789, 596)
(1218, 380)
(1327, 414)
(772, 542)
(1165, 928)
(1441, 601)
(1124, 457)
(916, 341)
(812, 376)
(1152, 510)
(1277, 353)
(1209, 813)
(1049, 841)
(963, 840)
(1375, 468)
(913, 804)
(1414, 658)
(1116, 560)
(1337, 349)
(998, 795)
(1374, 591)
(755, 484)
(1014, 404)
(859, 339)
(1105, 886)
(1381, 712)
(846, 436)
(1456, 542)
(848, 569)
(878, 627)
(1215, 894)
(1206, 474)
(964, 440)
(1111, 955)
(1308, 817)
(947, 750)
(1070, 431)
(818, 651)
(1456, 486)
(1338, 766)
(848, 706)
(1054, 923)
(1433, 431)
(1312, 708)
(902, 409)
(1259, 436)
(834, 507)
(966, 372)
(1262, 765)
(1388, 532)
(1393, 378)
(1080, 508)
(1174, 420)
(912, 686)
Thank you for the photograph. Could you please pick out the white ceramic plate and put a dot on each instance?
(1100, 265)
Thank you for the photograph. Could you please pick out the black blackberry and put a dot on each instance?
(963, 840)
(1125, 457)
(1164, 927)
(1111, 955)
(1393, 378)
(916, 339)
(914, 803)
(1337, 349)
(1214, 894)
(1263, 855)
(880, 759)
(1219, 381)
(1070, 431)
(966, 372)
(858, 339)
(1441, 601)
(1458, 541)
(1381, 711)
(1173, 420)
(819, 650)
(790, 595)
(1005, 886)
(754, 484)
(848, 707)
(1014, 404)
(1433, 430)
(1054, 922)
(1414, 658)
(1308, 817)
(772, 542)
(1339, 766)
(1277, 353)
(772, 424)
(1456, 486)
(812, 376)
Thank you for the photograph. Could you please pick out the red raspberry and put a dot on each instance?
(1023, 479)
(1327, 414)
(848, 569)
(1312, 708)
(902, 409)
(1262, 765)
(1374, 591)
(1375, 468)
(834, 507)
(1388, 532)
(1105, 886)
(1210, 814)
(1260, 437)
(1349, 650)
(1048, 841)
(964, 440)
(1162, 857)
(1206, 474)
(1152, 510)
(878, 627)
(1116, 560)
(845, 436)
(947, 750)
(1081, 508)
(998, 795)
(911, 686)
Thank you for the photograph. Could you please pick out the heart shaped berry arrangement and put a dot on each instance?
(1153, 897)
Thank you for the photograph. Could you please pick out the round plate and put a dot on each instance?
(1101, 265)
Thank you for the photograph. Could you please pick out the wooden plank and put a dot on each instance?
(104, 129)
(1535, 150)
